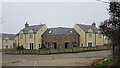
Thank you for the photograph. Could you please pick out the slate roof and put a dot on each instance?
(60, 31)
(35, 28)
(10, 36)
(86, 27)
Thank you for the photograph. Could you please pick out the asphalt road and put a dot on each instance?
(54, 59)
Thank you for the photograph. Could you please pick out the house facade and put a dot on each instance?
(30, 37)
(60, 38)
(39, 36)
(7, 41)
(89, 35)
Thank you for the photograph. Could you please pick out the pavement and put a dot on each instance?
(72, 59)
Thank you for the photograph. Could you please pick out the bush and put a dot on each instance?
(20, 47)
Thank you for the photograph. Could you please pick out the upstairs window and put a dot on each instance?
(21, 36)
(30, 35)
(99, 35)
(6, 40)
(90, 35)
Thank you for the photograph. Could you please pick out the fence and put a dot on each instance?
(56, 51)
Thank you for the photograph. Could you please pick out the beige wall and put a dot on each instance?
(39, 36)
(99, 41)
(81, 33)
(84, 37)
(36, 39)
(9, 44)
(0, 43)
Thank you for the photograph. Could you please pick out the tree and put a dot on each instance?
(111, 28)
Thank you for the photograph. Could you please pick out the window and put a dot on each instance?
(30, 35)
(10, 46)
(71, 31)
(81, 44)
(6, 40)
(21, 36)
(15, 40)
(6, 46)
(40, 46)
(90, 35)
(50, 32)
(99, 35)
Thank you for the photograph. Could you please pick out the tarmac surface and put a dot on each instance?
(69, 59)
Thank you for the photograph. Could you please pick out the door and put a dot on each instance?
(55, 45)
(31, 45)
(89, 44)
(66, 44)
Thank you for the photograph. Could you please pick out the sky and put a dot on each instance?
(53, 14)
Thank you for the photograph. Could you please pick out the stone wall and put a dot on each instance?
(60, 40)
(57, 51)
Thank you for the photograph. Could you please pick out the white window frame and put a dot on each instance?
(21, 36)
(29, 45)
(30, 35)
(81, 45)
(39, 45)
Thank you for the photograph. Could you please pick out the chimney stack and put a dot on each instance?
(93, 24)
(26, 25)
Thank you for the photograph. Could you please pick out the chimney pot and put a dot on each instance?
(26, 25)
(93, 24)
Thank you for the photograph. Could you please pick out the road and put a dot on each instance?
(72, 59)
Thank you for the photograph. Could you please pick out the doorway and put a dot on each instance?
(66, 44)
(31, 45)
(89, 44)
(55, 45)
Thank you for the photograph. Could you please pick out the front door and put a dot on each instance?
(55, 45)
(31, 45)
(90, 44)
(66, 44)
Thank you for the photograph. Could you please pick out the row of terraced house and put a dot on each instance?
(39, 36)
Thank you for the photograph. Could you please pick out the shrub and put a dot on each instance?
(20, 47)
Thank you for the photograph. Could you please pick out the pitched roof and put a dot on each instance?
(86, 27)
(10, 36)
(60, 31)
(35, 28)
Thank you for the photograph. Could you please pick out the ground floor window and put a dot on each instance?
(10, 46)
(40, 46)
(89, 44)
(6, 46)
(81, 44)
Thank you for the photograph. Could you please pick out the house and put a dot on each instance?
(89, 35)
(60, 38)
(30, 37)
(7, 41)
(39, 36)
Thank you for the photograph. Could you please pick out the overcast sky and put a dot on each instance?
(53, 14)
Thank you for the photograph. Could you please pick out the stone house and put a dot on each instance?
(60, 38)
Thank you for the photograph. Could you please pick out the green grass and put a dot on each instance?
(105, 64)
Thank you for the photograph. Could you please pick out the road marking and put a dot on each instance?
(34, 64)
